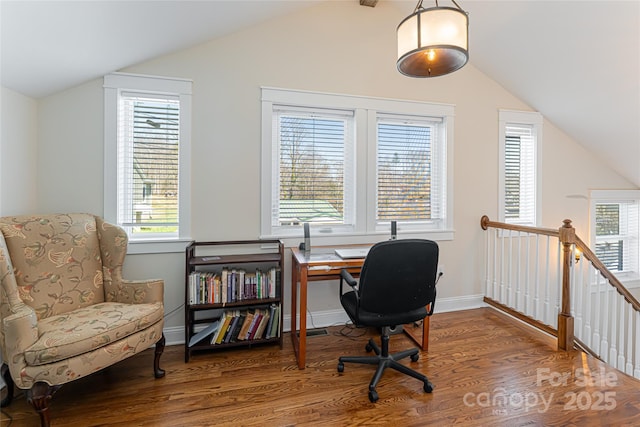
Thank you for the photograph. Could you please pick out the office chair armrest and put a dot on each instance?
(344, 274)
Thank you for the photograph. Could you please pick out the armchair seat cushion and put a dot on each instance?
(85, 329)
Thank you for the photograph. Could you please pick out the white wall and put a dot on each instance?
(337, 47)
(18, 165)
(18, 148)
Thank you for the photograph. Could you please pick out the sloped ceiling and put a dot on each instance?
(577, 62)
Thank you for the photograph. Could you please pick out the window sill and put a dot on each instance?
(159, 246)
(354, 239)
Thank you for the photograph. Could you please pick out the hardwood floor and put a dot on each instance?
(486, 370)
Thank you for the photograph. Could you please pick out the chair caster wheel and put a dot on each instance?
(373, 396)
(340, 367)
(428, 387)
(368, 348)
(415, 357)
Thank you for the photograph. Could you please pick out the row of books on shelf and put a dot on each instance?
(231, 285)
(241, 325)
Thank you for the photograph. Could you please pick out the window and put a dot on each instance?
(408, 186)
(520, 136)
(616, 226)
(314, 146)
(350, 165)
(147, 131)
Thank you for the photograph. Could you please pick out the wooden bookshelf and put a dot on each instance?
(238, 279)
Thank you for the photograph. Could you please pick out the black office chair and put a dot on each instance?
(397, 283)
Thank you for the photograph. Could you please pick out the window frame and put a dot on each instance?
(535, 121)
(114, 85)
(617, 197)
(365, 112)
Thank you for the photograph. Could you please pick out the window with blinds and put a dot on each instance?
(147, 140)
(313, 149)
(519, 175)
(617, 229)
(407, 182)
(148, 163)
(349, 165)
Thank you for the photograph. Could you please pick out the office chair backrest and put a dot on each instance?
(399, 276)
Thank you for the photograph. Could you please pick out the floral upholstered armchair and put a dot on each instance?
(65, 310)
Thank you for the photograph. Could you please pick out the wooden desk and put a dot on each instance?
(324, 264)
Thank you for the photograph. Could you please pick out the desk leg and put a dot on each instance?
(420, 337)
(295, 268)
(302, 338)
(425, 333)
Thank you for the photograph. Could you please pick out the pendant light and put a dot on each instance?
(434, 41)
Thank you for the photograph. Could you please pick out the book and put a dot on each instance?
(242, 335)
(256, 316)
(232, 326)
(272, 309)
(254, 325)
(236, 329)
(210, 329)
(261, 327)
(275, 326)
(224, 279)
(223, 328)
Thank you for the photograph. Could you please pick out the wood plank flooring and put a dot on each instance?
(486, 369)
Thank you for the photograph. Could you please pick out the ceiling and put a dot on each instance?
(575, 61)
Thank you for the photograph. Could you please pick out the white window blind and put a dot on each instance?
(148, 163)
(519, 145)
(520, 188)
(408, 184)
(313, 150)
(617, 233)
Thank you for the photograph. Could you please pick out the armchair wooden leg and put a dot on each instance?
(8, 381)
(39, 396)
(157, 371)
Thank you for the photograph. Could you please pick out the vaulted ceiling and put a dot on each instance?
(577, 62)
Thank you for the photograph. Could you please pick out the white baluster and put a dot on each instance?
(516, 303)
(636, 369)
(606, 312)
(630, 338)
(536, 273)
(495, 265)
(621, 331)
(588, 307)
(527, 277)
(576, 294)
(597, 319)
(547, 280)
(503, 266)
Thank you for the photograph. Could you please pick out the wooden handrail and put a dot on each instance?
(485, 223)
(589, 255)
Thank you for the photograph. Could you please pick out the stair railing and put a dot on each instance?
(550, 279)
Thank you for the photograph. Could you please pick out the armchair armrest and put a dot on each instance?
(20, 330)
(138, 292)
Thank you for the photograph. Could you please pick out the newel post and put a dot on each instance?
(565, 320)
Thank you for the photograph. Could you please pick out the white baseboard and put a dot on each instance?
(322, 319)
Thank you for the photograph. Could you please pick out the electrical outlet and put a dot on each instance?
(440, 270)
